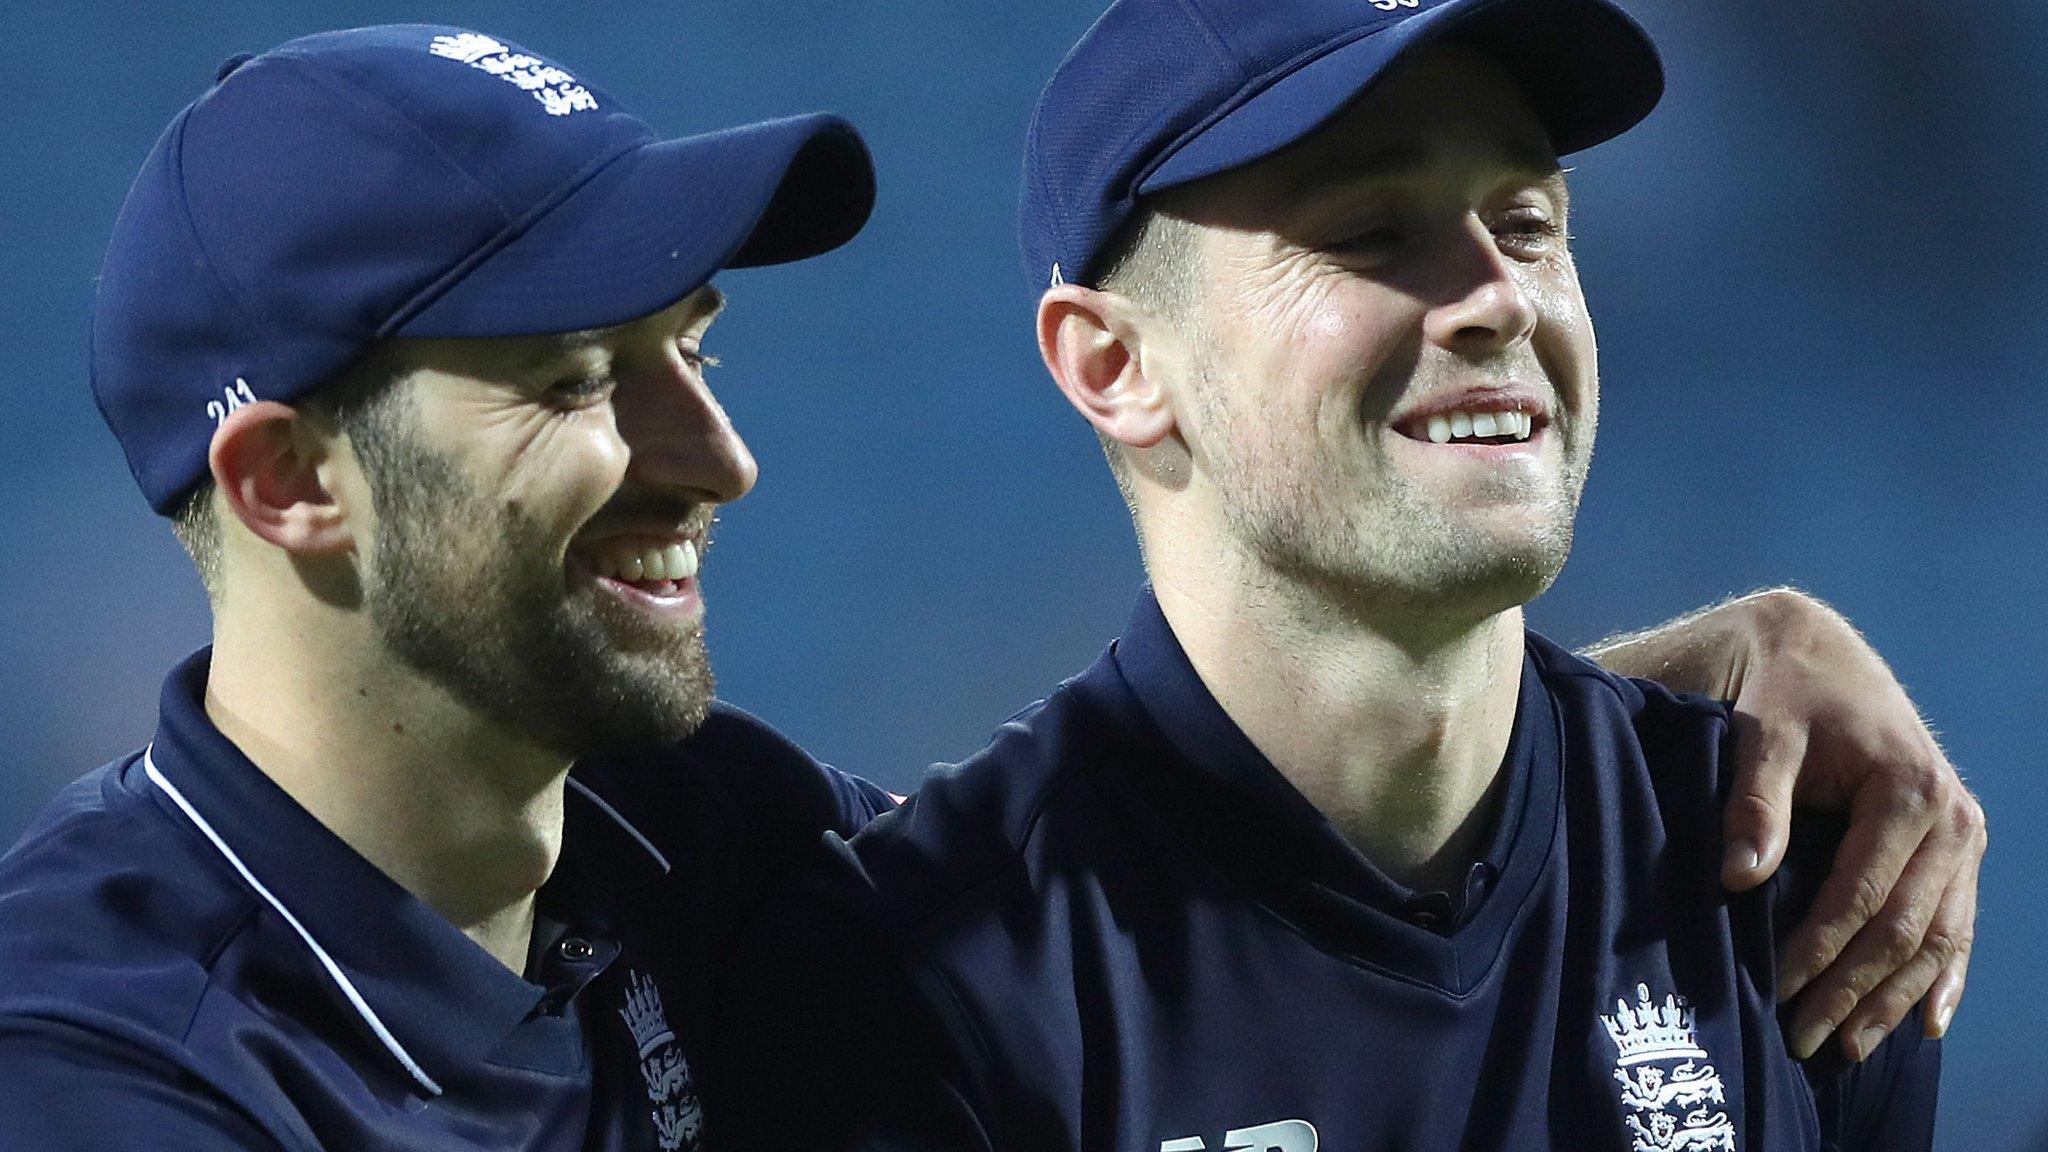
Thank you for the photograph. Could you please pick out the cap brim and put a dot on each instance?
(1589, 69)
(659, 222)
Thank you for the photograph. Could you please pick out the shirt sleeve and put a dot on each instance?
(819, 1042)
(69, 1090)
(1886, 1103)
(859, 801)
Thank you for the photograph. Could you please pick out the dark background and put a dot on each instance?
(1815, 274)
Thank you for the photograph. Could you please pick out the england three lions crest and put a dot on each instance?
(671, 1091)
(1676, 1100)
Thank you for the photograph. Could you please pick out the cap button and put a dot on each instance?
(576, 950)
(228, 66)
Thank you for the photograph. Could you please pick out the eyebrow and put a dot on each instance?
(564, 344)
(1394, 160)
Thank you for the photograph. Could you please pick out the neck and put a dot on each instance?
(464, 816)
(1396, 736)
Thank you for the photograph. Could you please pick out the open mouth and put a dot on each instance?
(653, 567)
(1478, 426)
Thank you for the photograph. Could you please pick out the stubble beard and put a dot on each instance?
(470, 594)
(1344, 529)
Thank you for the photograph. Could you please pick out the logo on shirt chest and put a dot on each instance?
(1279, 1136)
(1675, 1098)
(678, 1116)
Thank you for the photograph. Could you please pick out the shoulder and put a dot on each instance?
(735, 771)
(1644, 701)
(68, 1087)
(982, 830)
(1687, 732)
(865, 996)
(111, 920)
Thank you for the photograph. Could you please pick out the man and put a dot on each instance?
(350, 896)
(404, 328)
(1326, 851)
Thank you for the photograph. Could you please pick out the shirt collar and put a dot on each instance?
(434, 999)
(1242, 800)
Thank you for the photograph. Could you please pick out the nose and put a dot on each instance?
(1483, 307)
(678, 438)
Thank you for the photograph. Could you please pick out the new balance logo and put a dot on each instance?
(1279, 1136)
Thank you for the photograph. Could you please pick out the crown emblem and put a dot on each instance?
(1652, 1031)
(643, 1015)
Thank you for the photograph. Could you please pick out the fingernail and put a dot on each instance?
(1946, 1013)
(1741, 857)
(1865, 1043)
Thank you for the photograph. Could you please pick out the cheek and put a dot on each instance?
(1564, 340)
(1303, 341)
(558, 469)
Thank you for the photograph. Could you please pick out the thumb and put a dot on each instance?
(1757, 824)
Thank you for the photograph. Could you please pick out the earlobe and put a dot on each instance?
(267, 471)
(1095, 353)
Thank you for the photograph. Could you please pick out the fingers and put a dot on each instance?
(1887, 969)
(1885, 948)
(1757, 823)
(1881, 1011)
(1887, 826)
(1957, 919)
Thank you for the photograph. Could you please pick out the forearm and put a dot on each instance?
(1706, 651)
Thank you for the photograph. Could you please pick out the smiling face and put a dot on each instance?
(541, 506)
(1391, 387)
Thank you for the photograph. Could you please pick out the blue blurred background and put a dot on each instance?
(1815, 274)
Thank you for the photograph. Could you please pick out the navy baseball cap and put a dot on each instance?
(415, 180)
(1160, 93)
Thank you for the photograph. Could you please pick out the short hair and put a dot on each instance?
(1151, 259)
(359, 400)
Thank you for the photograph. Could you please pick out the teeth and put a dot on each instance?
(1479, 425)
(676, 561)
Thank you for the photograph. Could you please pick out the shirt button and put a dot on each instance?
(575, 950)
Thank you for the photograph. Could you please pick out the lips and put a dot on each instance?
(1491, 416)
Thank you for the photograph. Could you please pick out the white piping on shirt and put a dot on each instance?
(622, 822)
(348, 989)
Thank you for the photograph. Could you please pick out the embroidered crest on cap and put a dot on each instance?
(556, 90)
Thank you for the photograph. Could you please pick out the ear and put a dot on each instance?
(1094, 350)
(265, 462)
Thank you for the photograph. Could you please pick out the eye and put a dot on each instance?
(580, 391)
(693, 354)
(1527, 231)
(1379, 240)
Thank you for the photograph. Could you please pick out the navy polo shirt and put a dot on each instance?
(189, 960)
(1119, 927)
